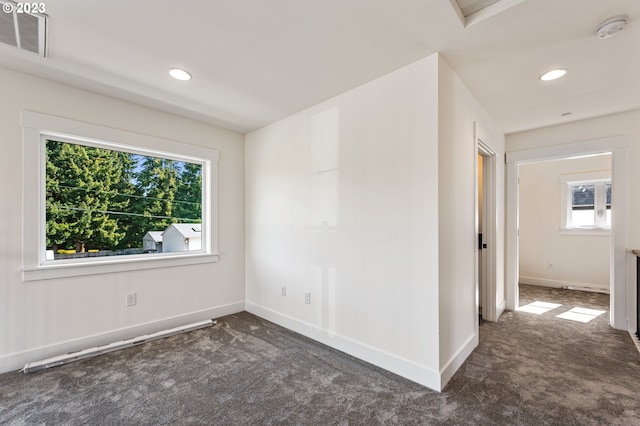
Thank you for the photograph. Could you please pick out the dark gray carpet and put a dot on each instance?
(529, 369)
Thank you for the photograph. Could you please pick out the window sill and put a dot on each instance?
(95, 267)
(602, 232)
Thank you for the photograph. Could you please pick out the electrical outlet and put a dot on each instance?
(550, 266)
(283, 290)
(307, 297)
(132, 299)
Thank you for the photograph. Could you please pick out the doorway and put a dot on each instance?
(619, 281)
(485, 227)
(564, 223)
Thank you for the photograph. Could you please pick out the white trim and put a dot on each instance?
(596, 177)
(17, 360)
(482, 14)
(502, 306)
(456, 361)
(592, 232)
(621, 281)
(400, 366)
(114, 146)
(585, 177)
(456, 8)
(38, 126)
(623, 284)
(568, 150)
(490, 11)
(122, 264)
(571, 285)
(512, 232)
(489, 223)
(38, 121)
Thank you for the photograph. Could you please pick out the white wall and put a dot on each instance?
(342, 202)
(45, 318)
(345, 200)
(457, 216)
(577, 259)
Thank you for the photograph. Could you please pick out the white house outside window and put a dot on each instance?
(100, 200)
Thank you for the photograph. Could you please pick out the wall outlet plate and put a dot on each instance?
(132, 299)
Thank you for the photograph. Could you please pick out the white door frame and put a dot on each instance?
(489, 224)
(622, 279)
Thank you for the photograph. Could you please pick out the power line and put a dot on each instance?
(126, 213)
(124, 195)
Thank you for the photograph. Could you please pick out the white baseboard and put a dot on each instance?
(501, 308)
(17, 360)
(452, 365)
(544, 282)
(402, 367)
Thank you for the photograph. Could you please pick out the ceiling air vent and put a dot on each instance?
(26, 31)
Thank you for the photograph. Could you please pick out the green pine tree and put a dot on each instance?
(188, 202)
(82, 197)
(157, 183)
(127, 191)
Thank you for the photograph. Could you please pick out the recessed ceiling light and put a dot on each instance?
(179, 74)
(553, 74)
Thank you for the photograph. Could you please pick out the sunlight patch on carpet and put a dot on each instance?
(581, 314)
(538, 307)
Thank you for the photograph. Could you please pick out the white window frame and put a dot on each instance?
(566, 201)
(37, 128)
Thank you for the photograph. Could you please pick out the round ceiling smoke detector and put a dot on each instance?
(611, 27)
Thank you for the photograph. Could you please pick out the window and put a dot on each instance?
(103, 202)
(586, 202)
(112, 200)
(590, 205)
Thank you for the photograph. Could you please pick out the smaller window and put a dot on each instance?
(586, 201)
(590, 205)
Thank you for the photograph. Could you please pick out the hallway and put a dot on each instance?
(535, 366)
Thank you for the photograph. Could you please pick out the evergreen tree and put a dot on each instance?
(127, 191)
(188, 202)
(106, 199)
(82, 184)
(156, 182)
